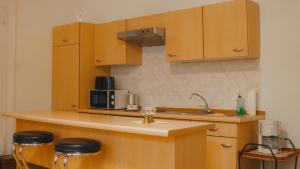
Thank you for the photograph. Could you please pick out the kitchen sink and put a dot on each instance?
(180, 113)
(193, 114)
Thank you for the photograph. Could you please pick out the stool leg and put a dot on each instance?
(56, 161)
(296, 162)
(14, 152)
(65, 162)
(22, 158)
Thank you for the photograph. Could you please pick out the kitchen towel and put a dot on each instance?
(251, 102)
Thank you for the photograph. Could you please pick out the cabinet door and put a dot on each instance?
(109, 50)
(65, 77)
(225, 30)
(184, 35)
(157, 20)
(221, 153)
(66, 34)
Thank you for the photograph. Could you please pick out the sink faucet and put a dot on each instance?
(206, 109)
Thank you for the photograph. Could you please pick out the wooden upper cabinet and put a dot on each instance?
(231, 30)
(65, 77)
(157, 20)
(66, 34)
(109, 50)
(184, 35)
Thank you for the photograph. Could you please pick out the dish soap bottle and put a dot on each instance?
(240, 108)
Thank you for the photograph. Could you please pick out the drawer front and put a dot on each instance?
(223, 130)
(66, 34)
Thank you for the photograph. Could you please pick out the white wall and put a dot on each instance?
(279, 63)
(7, 71)
(35, 19)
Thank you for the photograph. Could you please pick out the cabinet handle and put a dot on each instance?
(73, 105)
(172, 54)
(65, 40)
(238, 49)
(214, 129)
(226, 145)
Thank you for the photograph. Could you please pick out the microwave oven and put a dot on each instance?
(108, 99)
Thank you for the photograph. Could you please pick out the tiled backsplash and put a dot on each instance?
(161, 83)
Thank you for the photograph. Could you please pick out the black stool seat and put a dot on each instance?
(33, 137)
(77, 145)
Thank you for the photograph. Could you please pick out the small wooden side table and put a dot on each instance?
(283, 155)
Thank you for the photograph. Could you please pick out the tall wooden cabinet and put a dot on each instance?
(73, 66)
(231, 30)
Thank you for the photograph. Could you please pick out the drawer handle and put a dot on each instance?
(173, 54)
(214, 129)
(238, 49)
(65, 40)
(226, 145)
(73, 105)
(98, 60)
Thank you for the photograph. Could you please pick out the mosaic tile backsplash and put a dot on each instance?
(161, 83)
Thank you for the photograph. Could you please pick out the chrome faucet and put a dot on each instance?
(206, 109)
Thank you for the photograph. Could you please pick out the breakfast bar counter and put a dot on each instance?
(134, 125)
(127, 142)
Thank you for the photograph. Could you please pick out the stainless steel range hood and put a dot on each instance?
(144, 37)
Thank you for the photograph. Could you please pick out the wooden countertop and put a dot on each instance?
(162, 127)
(206, 118)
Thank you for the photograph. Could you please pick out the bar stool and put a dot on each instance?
(79, 147)
(28, 139)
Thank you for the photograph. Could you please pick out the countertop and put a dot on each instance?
(134, 125)
(206, 118)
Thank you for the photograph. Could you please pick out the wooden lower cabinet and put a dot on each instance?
(226, 140)
(221, 153)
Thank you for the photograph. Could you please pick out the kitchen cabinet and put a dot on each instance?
(228, 30)
(73, 66)
(157, 20)
(231, 30)
(184, 35)
(223, 130)
(221, 153)
(109, 50)
(226, 140)
(65, 77)
(66, 35)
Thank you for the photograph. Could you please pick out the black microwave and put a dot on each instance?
(108, 99)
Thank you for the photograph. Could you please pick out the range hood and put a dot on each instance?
(144, 37)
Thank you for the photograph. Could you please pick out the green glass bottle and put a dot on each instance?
(240, 108)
